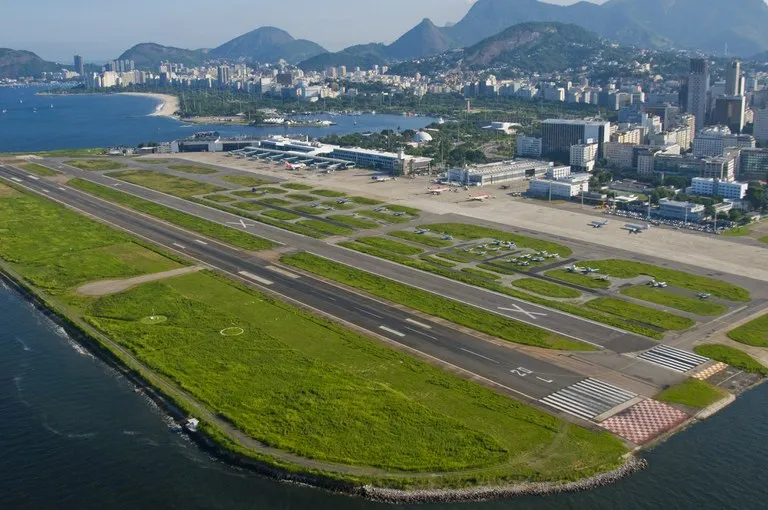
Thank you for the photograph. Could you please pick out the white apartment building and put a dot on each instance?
(712, 141)
(583, 155)
(620, 155)
(714, 187)
(568, 187)
(528, 147)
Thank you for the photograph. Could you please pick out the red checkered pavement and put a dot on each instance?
(710, 371)
(644, 421)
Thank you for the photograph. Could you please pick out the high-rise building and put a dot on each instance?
(224, 76)
(731, 111)
(698, 87)
(733, 79)
(761, 125)
(79, 65)
(753, 165)
(558, 135)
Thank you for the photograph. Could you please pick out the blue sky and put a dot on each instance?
(103, 30)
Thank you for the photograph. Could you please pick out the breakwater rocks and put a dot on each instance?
(631, 465)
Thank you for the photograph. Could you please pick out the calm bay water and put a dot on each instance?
(73, 434)
(83, 121)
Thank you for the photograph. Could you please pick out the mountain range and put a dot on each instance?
(17, 63)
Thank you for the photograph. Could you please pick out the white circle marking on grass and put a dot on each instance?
(234, 331)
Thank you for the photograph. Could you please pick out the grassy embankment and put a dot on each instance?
(328, 193)
(245, 180)
(220, 199)
(625, 269)
(432, 304)
(639, 313)
(582, 280)
(753, 333)
(469, 232)
(96, 165)
(734, 357)
(62, 153)
(291, 380)
(170, 184)
(184, 220)
(545, 288)
(385, 217)
(431, 241)
(296, 186)
(353, 221)
(671, 299)
(193, 169)
(42, 171)
(693, 393)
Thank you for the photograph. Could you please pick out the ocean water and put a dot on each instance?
(34, 122)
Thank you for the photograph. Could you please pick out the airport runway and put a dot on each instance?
(598, 334)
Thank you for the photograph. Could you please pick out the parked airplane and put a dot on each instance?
(704, 296)
(574, 269)
(658, 285)
(381, 178)
(590, 270)
(479, 198)
(598, 224)
(636, 229)
(439, 191)
(295, 166)
(342, 201)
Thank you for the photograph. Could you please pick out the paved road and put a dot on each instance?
(575, 327)
(525, 376)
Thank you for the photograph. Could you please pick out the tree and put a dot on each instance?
(735, 215)
(709, 210)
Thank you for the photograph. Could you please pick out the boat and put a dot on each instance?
(5, 111)
(51, 105)
(192, 424)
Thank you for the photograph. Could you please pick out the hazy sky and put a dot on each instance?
(56, 29)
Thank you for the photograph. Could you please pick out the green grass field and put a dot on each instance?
(170, 184)
(339, 207)
(482, 274)
(296, 186)
(193, 169)
(763, 239)
(353, 222)
(438, 261)
(403, 209)
(58, 250)
(307, 386)
(249, 206)
(671, 299)
(187, 221)
(328, 193)
(432, 304)
(627, 269)
(62, 153)
(308, 209)
(219, 199)
(365, 201)
(96, 165)
(734, 357)
(693, 393)
(298, 197)
(385, 217)
(326, 228)
(154, 161)
(426, 240)
(586, 281)
(42, 171)
(281, 215)
(650, 316)
(753, 333)
(276, 202)
(469, 232)
(545, 288)
(245, 180)
(737, 232)
(390, 245)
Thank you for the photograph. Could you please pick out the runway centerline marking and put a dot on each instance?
(33, 177)
(201, 242)
(16, 179)
(45, 191)
(419, 332)
(241, 223)
(419, 324)
(518, 309)
(180, 246)
(479, 355)
(369, 313)
(393, 331)
(548, 381)
(283, 272)
(62, 189)
(255, 278)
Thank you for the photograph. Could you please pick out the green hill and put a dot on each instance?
(20, 63)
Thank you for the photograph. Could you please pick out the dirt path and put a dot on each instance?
(107, 287)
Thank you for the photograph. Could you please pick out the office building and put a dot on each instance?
(79, 65)
(566, 187)
(558, 135)
(620, 156)
(224, 76)
(731, 111)
(493, 173)
(583, 156)
(761, 125)
(733, 79)
(528, 147)
(684, 211)
(709, 187)
(698, 88)
(753, 165)
(713, 140)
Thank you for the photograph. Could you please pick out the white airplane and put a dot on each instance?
(598, 224)
(342, 201)
(704, 295)
(447, 238)
(295, 166)
(379, 178)
(636, 229)
(590, 270)
(438, 191)
(658, 285)
(574, 269)
(479, 198)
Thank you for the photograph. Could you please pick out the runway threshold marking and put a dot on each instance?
(419, 324)
(283, 272)
(182, 247)
(479, 355)
(518, 309)
(198, 241)
(366, 312)
(255, 278)
(33, 177)
(393, 331)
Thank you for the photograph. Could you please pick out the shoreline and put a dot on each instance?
(168, 106)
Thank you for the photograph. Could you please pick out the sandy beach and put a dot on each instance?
(167, 108)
